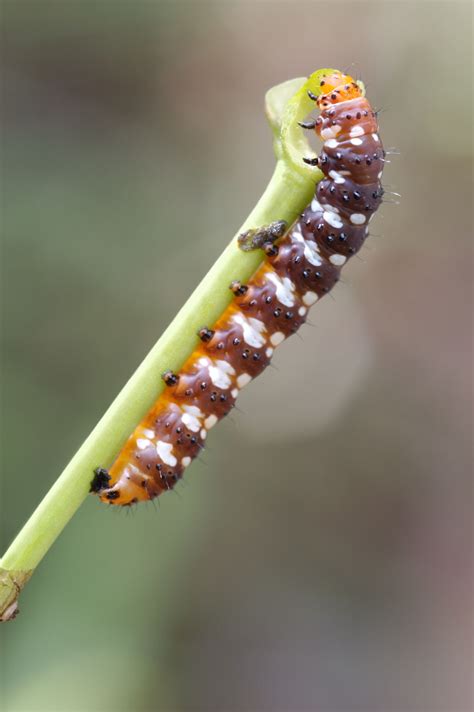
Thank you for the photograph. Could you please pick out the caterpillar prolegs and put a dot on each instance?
(300, 267)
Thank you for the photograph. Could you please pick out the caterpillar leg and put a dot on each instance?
(238, 288)
(308, 125)
(100, 481)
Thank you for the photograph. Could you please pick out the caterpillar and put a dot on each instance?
(302, 265)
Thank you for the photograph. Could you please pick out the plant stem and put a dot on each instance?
(289, 191)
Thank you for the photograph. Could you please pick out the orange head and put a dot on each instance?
(337, 87)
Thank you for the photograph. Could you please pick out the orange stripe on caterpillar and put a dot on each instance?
(301, 267)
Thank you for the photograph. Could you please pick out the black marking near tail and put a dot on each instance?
(100, 481)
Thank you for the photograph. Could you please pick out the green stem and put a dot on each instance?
(289, 191)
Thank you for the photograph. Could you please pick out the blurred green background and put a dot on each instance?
(320, 558)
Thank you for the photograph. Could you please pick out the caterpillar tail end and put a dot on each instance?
(123, 492)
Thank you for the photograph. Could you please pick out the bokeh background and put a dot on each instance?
(320, 558)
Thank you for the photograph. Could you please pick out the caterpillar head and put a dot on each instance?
(337, 87)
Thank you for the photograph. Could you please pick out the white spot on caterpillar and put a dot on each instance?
(185, 461)
(142, 443)
(284, 288)
(331, 143)
(243, 379)
(302, 311)
(203, 434)
(310, 298)
(234, 392)
(376, 138)
(337, 177)
(149, 433)
(277, 338)
(210, 421)
(330, 132)
(379, 175)
(315, 206)
(332, 219)
(311, 250)
(219, 372)
(357, 219)
(253, 330)
(356, 141)
(165, 452)
(192, 417)
(311, 253)
(269, 352)
(356, 130)
(337, 259)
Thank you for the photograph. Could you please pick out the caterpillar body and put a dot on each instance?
(301, 267)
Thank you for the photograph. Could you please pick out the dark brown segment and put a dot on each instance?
(346, 116)
(229, 345)
(169, 425)
(306, 277)
(363, 163)
(350, 197)
(196, 388)
(261, 302)
(346, 240)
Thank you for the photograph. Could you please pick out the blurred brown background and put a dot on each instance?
(320, 559)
